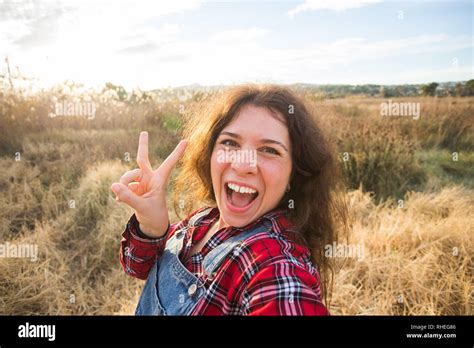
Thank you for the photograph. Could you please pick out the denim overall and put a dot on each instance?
(171, 289)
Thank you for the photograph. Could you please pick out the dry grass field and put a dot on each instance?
(410, 181)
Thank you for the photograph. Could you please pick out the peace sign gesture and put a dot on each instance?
(144, 189)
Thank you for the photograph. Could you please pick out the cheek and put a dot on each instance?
(276, 175)
(216, 170)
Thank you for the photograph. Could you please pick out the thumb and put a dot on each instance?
(123, 194)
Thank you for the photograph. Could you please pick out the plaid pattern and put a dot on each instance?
(268, 274)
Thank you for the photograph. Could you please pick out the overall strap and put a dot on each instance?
(175, 243)
(216, 256)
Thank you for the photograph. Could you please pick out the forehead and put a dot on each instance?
(258, 121)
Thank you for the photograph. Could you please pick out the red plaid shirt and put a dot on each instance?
(271, 274)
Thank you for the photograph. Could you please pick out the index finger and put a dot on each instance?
(142, 154)
(168, 164)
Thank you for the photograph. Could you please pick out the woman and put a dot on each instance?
(268, 181)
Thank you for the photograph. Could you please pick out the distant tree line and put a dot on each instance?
(461, 89)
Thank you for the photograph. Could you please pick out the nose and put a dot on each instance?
(244, 168)
(245, 162)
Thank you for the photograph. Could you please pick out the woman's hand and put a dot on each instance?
(144, 189)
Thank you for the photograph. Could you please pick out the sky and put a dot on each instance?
(152, 44)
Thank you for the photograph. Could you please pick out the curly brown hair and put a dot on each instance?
(318, 211)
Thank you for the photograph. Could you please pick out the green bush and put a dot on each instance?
(380, 159)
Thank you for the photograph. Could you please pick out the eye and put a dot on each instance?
(270, 150)
(229, 142)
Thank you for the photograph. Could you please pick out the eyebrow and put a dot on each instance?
(265, 141)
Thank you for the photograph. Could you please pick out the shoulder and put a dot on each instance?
(275, 244)
(274, 251)
(278, 278)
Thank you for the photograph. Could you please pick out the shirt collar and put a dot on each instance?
(278, 217)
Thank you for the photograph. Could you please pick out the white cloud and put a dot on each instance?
(134, 45)
(424, 75)
(242, 35)
(211, 62)
(28, 24)
(85, 40)
(354, 49)
(335, 5)
(225, 62)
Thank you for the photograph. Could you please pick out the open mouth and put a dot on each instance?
(240, 196)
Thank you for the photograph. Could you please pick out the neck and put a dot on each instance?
(220, 224)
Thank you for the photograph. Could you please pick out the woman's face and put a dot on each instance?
(251, 165)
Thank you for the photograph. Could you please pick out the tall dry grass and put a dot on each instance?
(78, 270)
(443, 123)
(380, 159)
(418, 256)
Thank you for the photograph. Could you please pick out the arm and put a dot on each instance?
(139, 252)
(144, 190)
(283, 289)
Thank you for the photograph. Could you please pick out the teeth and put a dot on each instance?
(241, 189)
